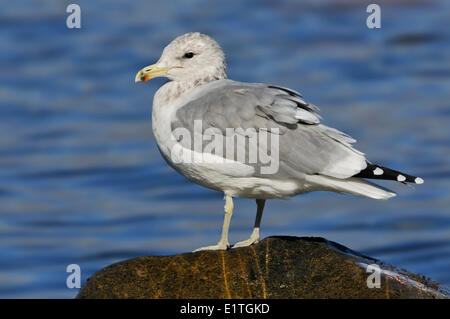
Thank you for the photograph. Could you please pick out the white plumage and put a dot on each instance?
(295, 153)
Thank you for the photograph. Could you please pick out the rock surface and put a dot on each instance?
(277, 267)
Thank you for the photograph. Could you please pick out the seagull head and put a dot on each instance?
(192, 57)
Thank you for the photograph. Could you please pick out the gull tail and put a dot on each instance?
(352, 185)
(381, 172)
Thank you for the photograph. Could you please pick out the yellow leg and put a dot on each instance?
(223, 242)
(254, 237)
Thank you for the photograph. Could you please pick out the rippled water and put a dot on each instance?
(81, 180)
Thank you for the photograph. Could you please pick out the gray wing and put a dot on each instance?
(304, 145)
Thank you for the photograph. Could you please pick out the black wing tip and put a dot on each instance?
(289, 91)
(384, 173)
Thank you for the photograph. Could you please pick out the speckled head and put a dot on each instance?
(192, 57)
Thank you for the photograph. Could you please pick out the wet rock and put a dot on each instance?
(277, 267)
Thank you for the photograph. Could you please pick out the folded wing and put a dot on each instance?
(306, 147)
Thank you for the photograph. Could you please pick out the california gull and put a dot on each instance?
(249, 140)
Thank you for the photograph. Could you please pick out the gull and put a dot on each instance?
(249, 140)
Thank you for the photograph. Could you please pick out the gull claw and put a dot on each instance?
(219, 246)
(254, 239)
(246, 243)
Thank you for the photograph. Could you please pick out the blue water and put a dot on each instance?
(81, 180)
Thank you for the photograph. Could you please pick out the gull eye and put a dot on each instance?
(188, 55)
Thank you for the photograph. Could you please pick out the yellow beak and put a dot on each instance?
(150, 72)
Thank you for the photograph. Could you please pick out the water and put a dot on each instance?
(81, 180)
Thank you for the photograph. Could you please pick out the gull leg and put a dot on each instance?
(254, 237)
(223, 242)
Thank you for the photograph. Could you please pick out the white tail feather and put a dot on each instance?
(351, 185)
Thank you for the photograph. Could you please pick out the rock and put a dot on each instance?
(277, 267)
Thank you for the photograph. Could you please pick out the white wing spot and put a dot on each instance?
(401, 178)
(418, 180)
(378, 171)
